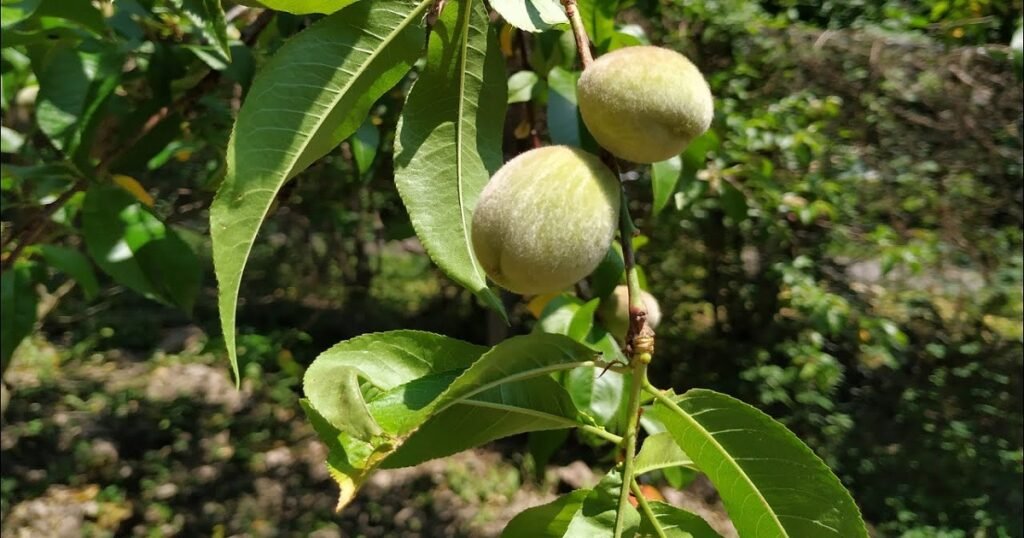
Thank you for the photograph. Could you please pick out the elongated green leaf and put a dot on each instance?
(131, 245)
(208, 17)
(387, 361)
(374, 394)
(531, 405)
(520, 357)
(74, 264)
(609, 273)
(550, 49)
(312, 95)
(82, 12)
(73, 85)
(599, 21)
(531, 15)
(304, 7)
(550, 519)
(675, 523)
(664, 178)
(660, 451)
(585, 513)
(600, 396)
(14, 11)
(18, 301)
(771, 484)
(343, 378)
(449, 140)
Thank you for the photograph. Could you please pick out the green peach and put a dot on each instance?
(546, 219)
(644, 104)
(614, 312)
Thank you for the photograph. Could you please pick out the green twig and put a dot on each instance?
(641, 501)
(602, 433)
(639, 338)
(629, 442)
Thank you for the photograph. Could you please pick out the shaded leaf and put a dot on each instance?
(609, 273)
(208, 17)
(313, 94)
(133, 246)
(14, 11)
(82, 12)
(18, 301)
(73, 85)
(565, 125)
(364, 144)
(74, 264)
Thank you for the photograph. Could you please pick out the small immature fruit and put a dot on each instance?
(614, 311)
(546, 219)
(644, 104)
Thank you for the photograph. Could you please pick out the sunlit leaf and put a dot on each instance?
(395, 398)
(770, 482)
(531, 15)
(449, 140)
(313, 94)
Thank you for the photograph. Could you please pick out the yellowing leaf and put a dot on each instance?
(136, 189)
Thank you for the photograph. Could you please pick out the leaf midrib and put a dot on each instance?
(357, 75)
(464, 53)
(525, 374)
(522, 411)
(743, 474)
(250, 241)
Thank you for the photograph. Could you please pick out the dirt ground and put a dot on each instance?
(112, 444)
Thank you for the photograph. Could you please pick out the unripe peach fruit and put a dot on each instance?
(546, 219)
(614, 312)
(644, 104)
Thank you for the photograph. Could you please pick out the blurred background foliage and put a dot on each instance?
(843, 249)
